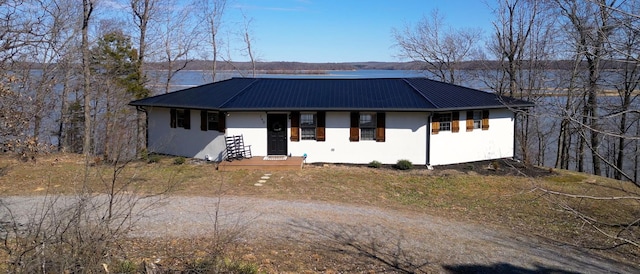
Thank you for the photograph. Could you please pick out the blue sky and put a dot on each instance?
(344, 30)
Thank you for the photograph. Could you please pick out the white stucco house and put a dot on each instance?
(335, 120)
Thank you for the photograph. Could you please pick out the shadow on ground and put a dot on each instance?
(502, 268)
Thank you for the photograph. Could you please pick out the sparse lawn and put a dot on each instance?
(501, 201)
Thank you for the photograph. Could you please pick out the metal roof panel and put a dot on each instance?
(396, 94)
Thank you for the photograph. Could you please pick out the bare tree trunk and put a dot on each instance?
(582, 139)
(142, 10)
(592, 112)
(211, 13)
(86, 72)
(64, 116)
(247, 41)
(636, 159)
(621, 145)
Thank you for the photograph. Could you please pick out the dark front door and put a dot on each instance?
(276, 134)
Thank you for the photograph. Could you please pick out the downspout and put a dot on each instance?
(146, 126)
(428, 162)
(515, 131)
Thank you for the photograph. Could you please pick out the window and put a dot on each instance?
(448, 121)
(367, 126)
(445, 121)
(180, 118)
(477, 119)
(308, 126)
(212, 120)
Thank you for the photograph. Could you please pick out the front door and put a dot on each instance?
(277, 134)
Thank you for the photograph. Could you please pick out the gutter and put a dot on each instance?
(366, 109)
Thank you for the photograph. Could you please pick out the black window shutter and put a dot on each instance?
(295, 126)
(354, 131)
(187, 119)
(380, 128)
(435, 123)
(222, 122)
(320, 127)
(470, 120)
(173, 120)
(485, 119)
(455, 121)
(203, 120)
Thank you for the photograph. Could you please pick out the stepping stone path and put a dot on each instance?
(263, 179)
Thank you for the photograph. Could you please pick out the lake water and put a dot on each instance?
(191, 78)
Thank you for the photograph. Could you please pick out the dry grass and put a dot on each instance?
(512, 202)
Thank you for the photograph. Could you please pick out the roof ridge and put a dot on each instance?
(420, 93)
(239, 92)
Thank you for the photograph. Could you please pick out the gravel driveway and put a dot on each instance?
(410, 240)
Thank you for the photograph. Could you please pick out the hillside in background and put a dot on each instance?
(281, 66)
(414, 65)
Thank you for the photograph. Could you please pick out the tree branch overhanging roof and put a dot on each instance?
(330, 94)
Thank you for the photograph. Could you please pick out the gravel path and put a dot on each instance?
(411, 239)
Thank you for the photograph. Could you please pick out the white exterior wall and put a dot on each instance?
(496, 142)
(253, 128)
(192, 143)
(405, 138)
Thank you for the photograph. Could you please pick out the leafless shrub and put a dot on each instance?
(374, 243)
(75, 233)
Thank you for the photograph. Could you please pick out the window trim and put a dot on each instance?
(296, 126)
(180, 118)
(437, 123)
(373, 124)
(217, 126)
(313, 126)
(447, 121)
(474, 120)
(379, 126)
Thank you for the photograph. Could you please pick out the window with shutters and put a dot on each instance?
(368, 126)
(180, 117)
(308, 126)
(445, 121)
(477, 119)
(212, 120)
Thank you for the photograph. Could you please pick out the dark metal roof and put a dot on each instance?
(391, 94)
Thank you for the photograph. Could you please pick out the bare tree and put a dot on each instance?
(439, 48)
(87, 11)
(179, 39)
(591, 34)
(143, 12)
(211, 12)
(521, 43)
(625, 49)
(247, 38)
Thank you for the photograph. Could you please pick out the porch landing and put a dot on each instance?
(258, 163)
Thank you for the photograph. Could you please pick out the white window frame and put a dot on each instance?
(308, 127)
(368, 125)
(213, 117)
(444, 120)
(180, 117)
(477, 119)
